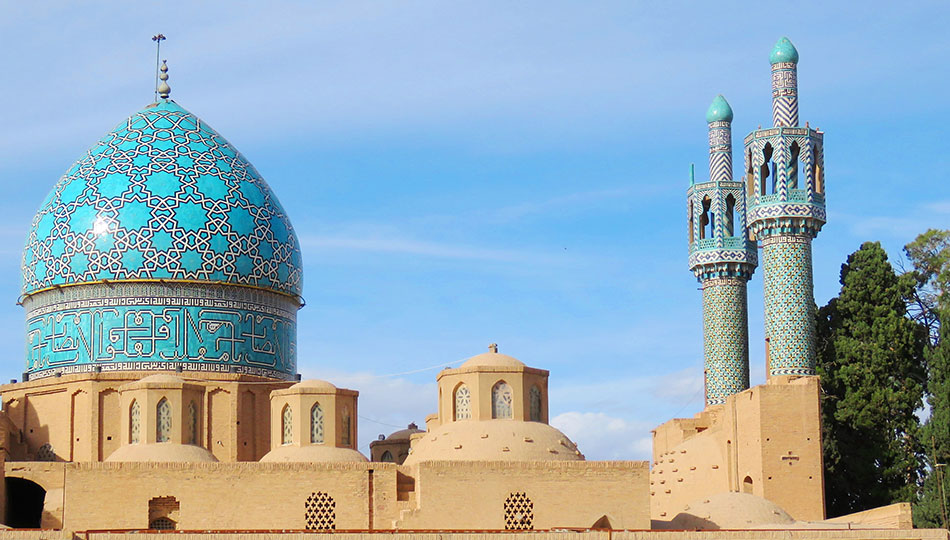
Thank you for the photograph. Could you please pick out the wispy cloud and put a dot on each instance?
(601, 436)
(907, 224)
(401, 245)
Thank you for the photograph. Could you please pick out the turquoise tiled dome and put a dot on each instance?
(719, 110)
(783, 51)
(162, 197)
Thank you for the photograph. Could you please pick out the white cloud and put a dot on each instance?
(386, 404)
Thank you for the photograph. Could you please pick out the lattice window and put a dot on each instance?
(135, 422)
(316, 424)
(501, 400)
(320, 512)
(463, 403)
(345, 427)
(45, 453)
(287, 425)
(192, 423)
(162, 524)
(163, 424)
(534, 398)
(519, 512)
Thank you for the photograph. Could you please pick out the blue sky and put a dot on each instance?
(462, 173)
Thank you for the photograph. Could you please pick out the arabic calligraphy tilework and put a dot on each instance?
(161, 327)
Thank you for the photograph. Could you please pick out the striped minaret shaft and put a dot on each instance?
(784, 86)
(723, 261)
(720, 151)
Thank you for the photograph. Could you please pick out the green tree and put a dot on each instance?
(930, 255)
(871, 363)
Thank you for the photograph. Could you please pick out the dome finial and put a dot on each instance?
(784, 51)
(163, 89)
(493, 348)
(158, 39)
(719, 111)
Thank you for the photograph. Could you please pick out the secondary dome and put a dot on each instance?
(494, 440)
(493, 359)
(162, 197)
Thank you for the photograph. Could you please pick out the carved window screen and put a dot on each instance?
(287, 425)
(519, 512)
(501, 400)
(163, 424)
(534, 397)
(316, 424)
(320, 512)
(463, 403)
(135, 422)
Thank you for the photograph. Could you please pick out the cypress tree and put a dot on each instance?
(871, 363)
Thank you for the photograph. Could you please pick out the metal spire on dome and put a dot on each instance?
(163, 89)
(157, 38)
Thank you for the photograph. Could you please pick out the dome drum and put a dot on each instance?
(313, 421)
(161, 326)
(492, 386)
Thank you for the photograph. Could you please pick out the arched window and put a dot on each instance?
(463, 403)
(345, 427)
(316, 424)
(819, 173)
(163, 421)
(192, 423)
(501, 400)
(730, 222)
(387, 457)
(135, 422)
(750, 176)
(747, 485)
(767, 169)
(706, 220)
(691, 222)
(534, 399)
(286, 425)
(791, 169)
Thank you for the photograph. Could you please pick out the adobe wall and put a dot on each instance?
(366, 496)
(908, 534)
(765, 441)
(81, 416)
(456, 495)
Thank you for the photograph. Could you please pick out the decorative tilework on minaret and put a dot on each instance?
(785, 182)
(723, 259)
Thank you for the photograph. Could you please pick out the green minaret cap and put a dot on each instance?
(719, 111)
(784, 51)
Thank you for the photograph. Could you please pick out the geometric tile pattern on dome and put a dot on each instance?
(519, 512)
(725, 337)
(789, 304)
(124, 326)
(162, 196)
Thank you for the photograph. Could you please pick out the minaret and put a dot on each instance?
(723, 259)
(784, 171)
